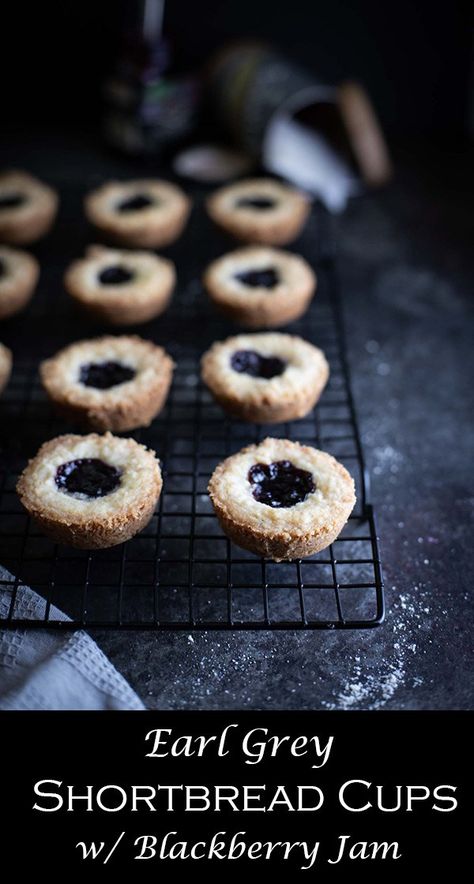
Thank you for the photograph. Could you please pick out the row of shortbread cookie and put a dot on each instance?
(120, 383)
(257, 286)
(278, 499)
(152, 213)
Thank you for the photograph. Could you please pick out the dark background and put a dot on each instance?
(414, 57)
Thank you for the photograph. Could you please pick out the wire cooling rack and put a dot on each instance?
(181, 572)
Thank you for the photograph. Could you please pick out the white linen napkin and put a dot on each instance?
(46, 670)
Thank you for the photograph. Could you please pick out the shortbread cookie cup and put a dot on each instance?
(144, 297)
(149, 227)
(284, 533)
(92, 523)
(290, 393)
(28, 207)
(258, 306)
(277, 225)
(120, 406)
(6, 362)
(19, 272)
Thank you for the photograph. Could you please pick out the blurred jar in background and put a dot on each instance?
(149, 106)
(324, 138)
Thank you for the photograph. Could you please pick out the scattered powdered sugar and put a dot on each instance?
(369, 689)
(386, 668)
(387, 460)
(372, 677)
(372, 347)
(372, 686)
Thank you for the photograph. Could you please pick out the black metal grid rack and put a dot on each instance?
(181, 572)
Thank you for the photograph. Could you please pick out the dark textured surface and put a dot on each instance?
(404, 267)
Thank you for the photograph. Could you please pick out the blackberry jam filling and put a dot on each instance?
(88, 476)
(135, 203)
(266, 278)
(280, 484)
(261, 203)
(116, 275)
(104, 375)
(11, 200)
(257, 366)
